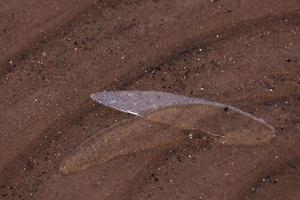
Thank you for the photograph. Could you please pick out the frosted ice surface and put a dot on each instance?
(141, 102)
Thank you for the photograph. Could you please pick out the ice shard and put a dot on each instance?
(162, 120)
(142, 102)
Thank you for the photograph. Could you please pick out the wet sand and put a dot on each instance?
(54, 55)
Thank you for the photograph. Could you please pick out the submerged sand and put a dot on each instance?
(54, 54)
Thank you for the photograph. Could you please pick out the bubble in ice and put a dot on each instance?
(162, 120)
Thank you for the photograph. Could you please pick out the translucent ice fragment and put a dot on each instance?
(142, 102)
(163, 120)
(229, 126)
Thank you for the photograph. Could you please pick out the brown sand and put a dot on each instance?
(54, 54)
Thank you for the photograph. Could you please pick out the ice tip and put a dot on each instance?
(94, 96)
